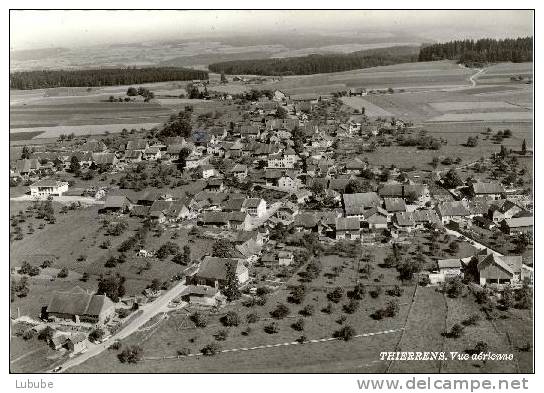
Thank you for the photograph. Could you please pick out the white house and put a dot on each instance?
(46, 187)
(255, 207)
(285, 258)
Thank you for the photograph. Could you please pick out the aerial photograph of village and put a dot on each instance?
(271, 191)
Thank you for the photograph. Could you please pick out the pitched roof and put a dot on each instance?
(449, 263)
(487, 188)
(78, 302)
(48, 183)
(347, 224)
(104, 158)
(215, 268)
(394, 205)
(116, 201)
(137, 144)
(453, 208)
(519, 222)
(306, 220)
(357, 203)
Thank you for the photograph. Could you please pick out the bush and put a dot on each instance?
(307, 311)
(358, 293)
(297, 294)
(481, 347)
(272, 328)
(280, 312)
(199, 319)
(28, 334)
(184, 351)
(397, 291)
(472, 320)
(346, 333)
(116, 345)
(391, 308)
(336, 295)
(96, 334)
(28, 269)
(230, 319)
(132, 354)
(453, 287)
(221, 335)
(456, 331)
(211, 349)
(376, 292)
(253, 318)
(63, 273)
(298, 325)
(351, 307)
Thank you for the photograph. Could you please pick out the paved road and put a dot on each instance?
(479, 246)
(149, 311)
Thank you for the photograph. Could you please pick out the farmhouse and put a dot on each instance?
(212, 271)
(492, 190)
(348, 228)
(517, 225)
(452, 211)
(285, 258)
(494, 269)
(356, 204)
(46, 187)
(450, 267)
(411, 193)
(79, 306)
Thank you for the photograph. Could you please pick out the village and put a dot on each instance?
(273, 193)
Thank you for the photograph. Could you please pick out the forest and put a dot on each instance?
(316, 64)
(487, 50)
(25, 80)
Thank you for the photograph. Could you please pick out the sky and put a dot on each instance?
(46, 29)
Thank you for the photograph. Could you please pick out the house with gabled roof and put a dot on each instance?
(254, 207)
(489, 190)
(212, 272)
(79, 306)
(356, 204)
(499, 270)
(348, 228)
(137, 144)
(452, 211)
(375, 218)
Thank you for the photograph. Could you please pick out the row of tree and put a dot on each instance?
(25, 80)
(316, 64)
(486, 50)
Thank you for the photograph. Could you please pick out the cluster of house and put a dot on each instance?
(261, 152)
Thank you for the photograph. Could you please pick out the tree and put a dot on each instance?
(182, 158)
(452, 179)
(63, 273)
(75, 166)
(408, 267)
(223, 78)
(231, 287)
(96, 334)
(472, 141)
(132, 92)
(25, 154)
(453, 287)
(280, 312)
(434, 162)
(28, 269)
(222, 248)
(297, 294)
(211, 349)
(112, 286)
(231, 318)
(524, 147)
(346, 333)
(456, 331)
(336, 294)
(132, 354)
(281, 113)
(168, 248)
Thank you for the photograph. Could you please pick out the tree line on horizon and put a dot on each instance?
(24, 80)
(486, 50)
(319, 63)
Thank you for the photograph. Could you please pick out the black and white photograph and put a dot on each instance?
(279, 191)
